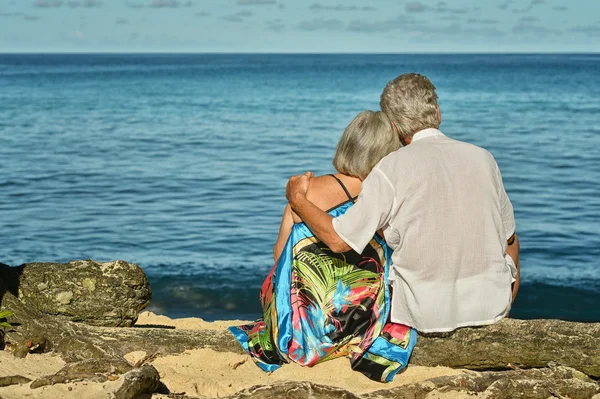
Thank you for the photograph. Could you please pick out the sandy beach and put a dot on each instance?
(202, 372)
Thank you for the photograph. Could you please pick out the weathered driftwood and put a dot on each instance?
(100, 294)
(559, 382)
(98, 370)
(528, 384)
(13, 380)
(515, 343)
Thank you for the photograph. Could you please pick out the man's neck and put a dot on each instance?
(421, 134)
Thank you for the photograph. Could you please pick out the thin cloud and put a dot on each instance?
(275, 25)
(239, 16)
(460, 30)
(453, 17)
(340, 7)
(203, 14)
(485, 31)
(485, 21)
(529, 18)
(122, 21)
(71, 3)
(159, 4)
(255, 2)
(591, 30)
(85, 3)
(533, 30)
(529, 7)
(47, 3)
(443, 8)
(560, 8)
(134, 5)
(91, 3)
(31, 17)
(169, 4)
(321, 24)
(407, 24)
(400, 22)
(232, 18)
(416, 6)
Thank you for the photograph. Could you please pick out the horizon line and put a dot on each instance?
(298, 53)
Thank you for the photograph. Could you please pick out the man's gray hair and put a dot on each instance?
(366, 140)
(410, 101)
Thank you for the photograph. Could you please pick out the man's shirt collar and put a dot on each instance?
(425, 133)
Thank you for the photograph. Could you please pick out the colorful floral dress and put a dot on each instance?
(319, 305)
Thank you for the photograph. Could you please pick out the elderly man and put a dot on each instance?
(443, 210)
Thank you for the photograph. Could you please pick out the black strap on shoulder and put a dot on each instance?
(344, 187)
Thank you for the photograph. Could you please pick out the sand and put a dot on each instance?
(203, 372)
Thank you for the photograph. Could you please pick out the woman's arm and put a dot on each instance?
(288, 220)
(285, 229)
(513, 251)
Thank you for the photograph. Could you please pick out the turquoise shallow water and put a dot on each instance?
(179, 162)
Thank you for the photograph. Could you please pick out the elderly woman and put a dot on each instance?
(319, 305)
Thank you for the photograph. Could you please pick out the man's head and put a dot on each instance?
(410, 102)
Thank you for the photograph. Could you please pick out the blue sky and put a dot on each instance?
(299, 26)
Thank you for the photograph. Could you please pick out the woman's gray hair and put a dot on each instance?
(366, 140)
(410, 101)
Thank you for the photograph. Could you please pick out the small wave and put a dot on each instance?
(205, 297)
(579, 301)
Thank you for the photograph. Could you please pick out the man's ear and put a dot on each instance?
(439, 114)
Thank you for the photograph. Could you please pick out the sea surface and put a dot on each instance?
(179, 162)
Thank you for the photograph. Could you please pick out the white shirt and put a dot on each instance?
(444, 211)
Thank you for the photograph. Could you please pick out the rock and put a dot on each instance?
(138, 381)
(100, 294)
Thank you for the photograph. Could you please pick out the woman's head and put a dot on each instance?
(366, 140)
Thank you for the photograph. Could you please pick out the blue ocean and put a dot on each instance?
(179, 162)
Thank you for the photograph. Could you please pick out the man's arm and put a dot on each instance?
(317, 220)
(509, 224)
(513, 251)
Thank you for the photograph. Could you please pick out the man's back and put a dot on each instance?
(444, 212)
(448, 234)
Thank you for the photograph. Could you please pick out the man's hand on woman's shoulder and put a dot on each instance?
(297, 186)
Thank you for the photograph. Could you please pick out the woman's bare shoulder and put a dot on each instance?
(320, 186)
(325, 191)
(321, 183)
